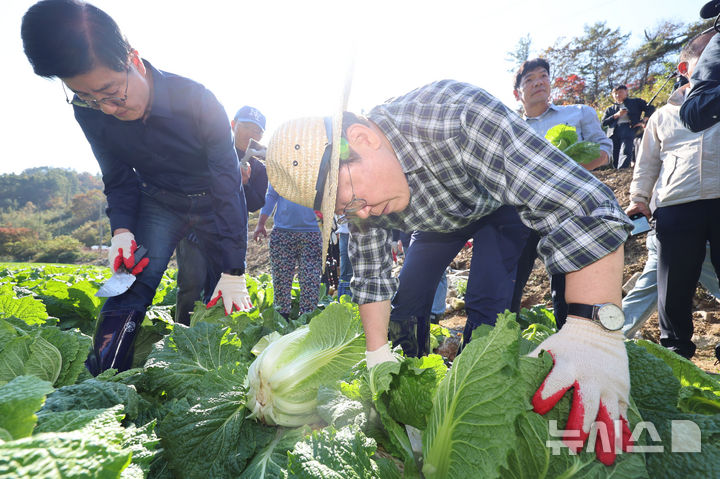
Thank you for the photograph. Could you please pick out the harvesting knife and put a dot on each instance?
(121, 280)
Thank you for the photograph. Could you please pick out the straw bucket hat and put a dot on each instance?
(302, 162)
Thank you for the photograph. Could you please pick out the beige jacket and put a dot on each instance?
(686, 165)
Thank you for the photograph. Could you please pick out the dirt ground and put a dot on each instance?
(706, 309)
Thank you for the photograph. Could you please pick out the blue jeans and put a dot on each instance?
(641, 301)
(162, 220)
(498, 240)
(438, 306)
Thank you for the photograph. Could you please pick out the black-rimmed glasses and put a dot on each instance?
(352, 206)
(77, 100)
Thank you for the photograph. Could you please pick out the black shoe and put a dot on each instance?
(114, 341)
(412, 333)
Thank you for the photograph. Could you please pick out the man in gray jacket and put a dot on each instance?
(685, 165)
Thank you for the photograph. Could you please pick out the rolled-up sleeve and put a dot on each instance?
(369, 248)
(578, 217)
(225, 183)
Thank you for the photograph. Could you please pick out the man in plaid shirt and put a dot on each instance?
(437, 159)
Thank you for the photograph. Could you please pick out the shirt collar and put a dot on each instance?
(404, 151)
(161, 97)
(551, 106)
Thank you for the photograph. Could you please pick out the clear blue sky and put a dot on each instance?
(288, 58)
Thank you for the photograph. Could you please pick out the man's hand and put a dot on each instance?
(232, 290)
(122, 253)
(593, 362)
(620, 113)
(381, 355)
(260, 233)
(638, 207)
(397, 248)
(246, 171)
(602, 160)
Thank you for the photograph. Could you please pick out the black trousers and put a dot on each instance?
(557, 281)
(623, 140)
(682, 233)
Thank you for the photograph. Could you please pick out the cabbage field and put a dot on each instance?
(253, 395)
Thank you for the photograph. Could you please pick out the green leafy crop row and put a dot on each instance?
(186, 410)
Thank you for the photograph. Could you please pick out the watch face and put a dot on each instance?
(611, 317)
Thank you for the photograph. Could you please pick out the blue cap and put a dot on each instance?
(250, 115)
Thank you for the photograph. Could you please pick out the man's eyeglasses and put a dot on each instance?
(77, 100)
(352, 206)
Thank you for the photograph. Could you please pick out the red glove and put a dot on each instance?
(122, 253)
(593, 362)
(234, 293)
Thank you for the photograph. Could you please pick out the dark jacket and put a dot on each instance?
(701, 108)
(256, 186)
(635, 106)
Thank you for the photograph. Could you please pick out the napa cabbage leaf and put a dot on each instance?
(284, 380)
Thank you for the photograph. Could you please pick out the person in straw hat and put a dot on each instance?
(437, 159)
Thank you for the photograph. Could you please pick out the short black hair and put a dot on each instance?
(66, 38)
(620, 87)
(695, 46)
(528, 66)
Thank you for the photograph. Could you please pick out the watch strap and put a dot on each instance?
(581, 310)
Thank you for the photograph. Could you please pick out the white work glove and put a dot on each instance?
(593, 361)
(380, 355)
(232, 290)
(122, 252)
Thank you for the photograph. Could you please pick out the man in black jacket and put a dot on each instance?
(701, 108)
(623, 119)
(248, 124)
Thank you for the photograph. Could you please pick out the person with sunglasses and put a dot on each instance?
(166, 153)
(438, 159)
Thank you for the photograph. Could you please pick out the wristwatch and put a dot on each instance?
(608, 315)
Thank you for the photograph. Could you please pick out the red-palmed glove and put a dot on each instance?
(122, 253)
(592, 361)
(231, 288)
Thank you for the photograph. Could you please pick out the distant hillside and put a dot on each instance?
(51, 214)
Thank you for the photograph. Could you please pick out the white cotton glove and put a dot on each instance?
(380, 355)
(122, 253)
(593, 361)
(232, 290)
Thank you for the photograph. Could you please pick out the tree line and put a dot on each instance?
(51, 215)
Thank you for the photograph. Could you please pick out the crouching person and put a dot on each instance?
(439, 158)
(165, 149)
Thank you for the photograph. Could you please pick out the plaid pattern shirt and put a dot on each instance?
(465, 154)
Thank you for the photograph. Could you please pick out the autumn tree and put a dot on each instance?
(568, 90)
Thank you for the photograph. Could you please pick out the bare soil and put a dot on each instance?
(706, 310)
